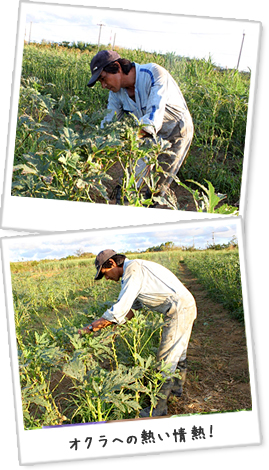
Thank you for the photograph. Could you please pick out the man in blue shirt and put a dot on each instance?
(150, 93)
(145, 283)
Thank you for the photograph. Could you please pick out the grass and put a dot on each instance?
(220, 273)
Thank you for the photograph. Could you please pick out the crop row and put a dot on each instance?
(220, 274)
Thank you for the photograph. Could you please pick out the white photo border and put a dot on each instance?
(30, 214)
(68, 443)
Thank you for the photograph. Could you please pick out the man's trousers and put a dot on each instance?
(177, 331)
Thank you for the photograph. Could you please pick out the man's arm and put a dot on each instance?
(155, 95)
(101, 323)
(114, 107)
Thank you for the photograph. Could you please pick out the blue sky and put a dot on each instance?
(61, 245)
(186, 36)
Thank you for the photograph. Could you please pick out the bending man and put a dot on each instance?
(150, 284)
(152, 95)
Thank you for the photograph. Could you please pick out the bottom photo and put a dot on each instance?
(116, 327)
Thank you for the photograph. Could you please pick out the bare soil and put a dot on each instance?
(184, 197)
(218, 374)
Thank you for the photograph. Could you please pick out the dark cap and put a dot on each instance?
(100, 259)
(99, 62)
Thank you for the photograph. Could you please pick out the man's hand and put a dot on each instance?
(100, 323)
(141, 133)
(86, 330)
(94, 326)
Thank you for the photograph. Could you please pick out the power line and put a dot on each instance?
(83, 25)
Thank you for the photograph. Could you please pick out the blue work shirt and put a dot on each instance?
(159, 102)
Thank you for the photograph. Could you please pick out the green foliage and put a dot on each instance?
(113, 373)
(61, 153)
(101, 394)
(208, 200)
(71, 156)
(60, 163)
(162, 247)
(219, 272)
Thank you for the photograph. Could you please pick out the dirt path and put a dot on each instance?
(218, 377)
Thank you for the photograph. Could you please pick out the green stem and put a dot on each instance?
(114, 353)
(152, 333)
(99, 409)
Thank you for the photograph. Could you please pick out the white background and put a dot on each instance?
(255, 242)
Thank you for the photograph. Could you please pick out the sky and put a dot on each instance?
(58, 246)
(219, 39)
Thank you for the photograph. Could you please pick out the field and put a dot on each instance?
(111, 374)
(61, 153)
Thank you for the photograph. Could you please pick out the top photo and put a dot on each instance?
(124, 113)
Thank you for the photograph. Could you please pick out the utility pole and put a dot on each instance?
(100, 24)
(30, 33)
(213, 238)
(240, 50)
(114, 42)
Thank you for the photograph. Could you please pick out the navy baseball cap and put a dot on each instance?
(99, 62)
(100, 259)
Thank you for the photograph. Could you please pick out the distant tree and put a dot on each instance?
(79, 252)
(233, 243)
(167, 246)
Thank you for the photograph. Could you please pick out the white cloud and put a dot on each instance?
(186, 36)
(57, 246)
